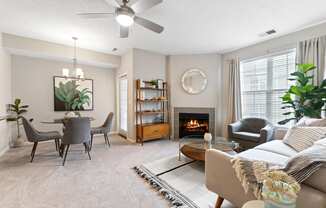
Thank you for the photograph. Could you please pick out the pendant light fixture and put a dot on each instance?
(76, 72)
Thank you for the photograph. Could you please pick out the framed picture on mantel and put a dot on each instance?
(72, 94)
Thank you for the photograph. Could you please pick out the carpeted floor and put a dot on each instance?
(107, 181)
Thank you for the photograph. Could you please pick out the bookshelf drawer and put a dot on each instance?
(154, 131)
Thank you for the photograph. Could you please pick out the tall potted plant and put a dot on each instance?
(303, 98)
(17, 109)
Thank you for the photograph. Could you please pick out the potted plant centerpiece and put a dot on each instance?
(17, 109)
(279, 190)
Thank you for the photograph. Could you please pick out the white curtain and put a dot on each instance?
(232, 94)
(313, 51)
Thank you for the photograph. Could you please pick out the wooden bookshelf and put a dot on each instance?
(152, 130)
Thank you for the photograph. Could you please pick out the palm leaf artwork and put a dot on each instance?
(303, 98)
(73, 98)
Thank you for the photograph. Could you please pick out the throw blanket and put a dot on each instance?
(301, 166)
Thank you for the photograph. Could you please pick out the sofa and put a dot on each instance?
(221, 179)
(250, 132)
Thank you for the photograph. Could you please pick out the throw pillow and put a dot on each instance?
(306, 121)
(301, 138)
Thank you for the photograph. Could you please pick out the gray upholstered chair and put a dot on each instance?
(104, 129)
(77, 131)
(250, 132)
(36, 136)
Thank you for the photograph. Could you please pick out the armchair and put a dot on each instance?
(250, 132)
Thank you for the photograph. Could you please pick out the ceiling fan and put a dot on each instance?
(125, 15)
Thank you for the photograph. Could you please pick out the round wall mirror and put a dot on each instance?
(194, 81)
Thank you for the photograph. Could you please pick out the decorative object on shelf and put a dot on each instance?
(194, 81)
(279, 190)
(17, 109)
(303, 98)
(154, 83)
(77, 72)
(152, 112)
(73, 94)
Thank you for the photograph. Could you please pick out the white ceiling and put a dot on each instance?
(191, 26)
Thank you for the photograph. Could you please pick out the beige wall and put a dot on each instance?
(208, 63)
(149, 65)
(277, 44)
(32, 80)
(139, 64)
(5, 96)
(43, 49)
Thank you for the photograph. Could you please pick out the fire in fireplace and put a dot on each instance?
(193, 124)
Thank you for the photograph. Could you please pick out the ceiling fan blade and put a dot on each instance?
(113, 3)
(142, 5)
(124, 32)
(95, 15)
(149, 24)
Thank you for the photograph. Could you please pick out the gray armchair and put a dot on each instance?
(36, 136)
(104, 129)
(77, 131)
(250, 132)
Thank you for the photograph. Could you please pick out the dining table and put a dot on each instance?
(62, 120)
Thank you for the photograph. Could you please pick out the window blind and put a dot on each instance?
(263, 82)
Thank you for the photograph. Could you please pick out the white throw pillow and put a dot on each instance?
(306, 121)
(301, 138)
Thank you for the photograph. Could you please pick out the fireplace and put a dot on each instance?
(193, 124)
(192, 121)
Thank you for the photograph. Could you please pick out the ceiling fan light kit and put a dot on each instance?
(125, 15)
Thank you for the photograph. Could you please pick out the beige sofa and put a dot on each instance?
(221, 178)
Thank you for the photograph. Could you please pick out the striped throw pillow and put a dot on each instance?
(301, 138)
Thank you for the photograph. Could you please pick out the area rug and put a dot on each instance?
(181, 182)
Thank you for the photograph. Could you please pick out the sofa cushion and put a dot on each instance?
(301, 138)
(262, 155)
(278, 147)
(317, 180)
(306, 121)
(254, 137)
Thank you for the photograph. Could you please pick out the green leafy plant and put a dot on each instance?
(66, 93)
(73, 98)
(154, 83)
(303, 98)
(17, 109)
(81, 99)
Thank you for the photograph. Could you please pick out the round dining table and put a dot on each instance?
(62, 120)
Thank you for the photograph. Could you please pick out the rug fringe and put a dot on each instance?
(170, 195)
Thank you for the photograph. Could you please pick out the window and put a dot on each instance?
(263, 82)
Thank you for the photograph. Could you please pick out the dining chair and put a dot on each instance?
(104, 129)
(77, 131)
(36, 136)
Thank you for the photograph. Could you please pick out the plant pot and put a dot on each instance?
(272, 204)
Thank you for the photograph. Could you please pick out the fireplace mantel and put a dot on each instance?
(209, 111)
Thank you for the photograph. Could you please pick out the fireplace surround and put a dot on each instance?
(190, 121)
